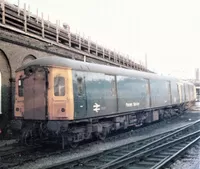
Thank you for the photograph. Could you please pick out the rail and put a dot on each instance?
(116, 157)
(157, 157)
(16, 155)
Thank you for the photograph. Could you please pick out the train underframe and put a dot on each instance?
(73, 132)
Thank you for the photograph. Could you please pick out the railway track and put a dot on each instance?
(187, 159)
(16, 155)
(158, 157)
(14, 149)
(9, 153)
(137, 151)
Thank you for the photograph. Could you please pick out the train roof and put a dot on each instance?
(54, 61)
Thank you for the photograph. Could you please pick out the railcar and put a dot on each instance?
(73, 101)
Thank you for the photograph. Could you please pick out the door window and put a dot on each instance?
(80, 86)
(59, 86)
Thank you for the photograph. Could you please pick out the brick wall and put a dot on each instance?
(16, 49)
(11, 57)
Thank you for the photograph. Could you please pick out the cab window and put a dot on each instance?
(20, 88)
(59, 86)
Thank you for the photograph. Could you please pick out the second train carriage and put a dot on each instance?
(75, 99)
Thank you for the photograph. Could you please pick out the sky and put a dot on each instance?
(167, 31)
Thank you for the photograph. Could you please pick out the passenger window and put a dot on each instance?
(20, 88)
(59, 86)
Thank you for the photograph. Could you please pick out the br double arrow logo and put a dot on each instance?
(96, 107)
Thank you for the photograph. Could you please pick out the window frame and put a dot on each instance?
(56, 87)
(20, 87)
(80, 85)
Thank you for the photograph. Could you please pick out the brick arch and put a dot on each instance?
(28, 58)
(5, 69)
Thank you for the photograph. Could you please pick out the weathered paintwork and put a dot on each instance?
(38, 100)
(133, 93)
(66, 101)
(95, 96)
(107, 94)
(35, 95)
(160, 93)
(73, 101)
(91, 90)
(19, 100)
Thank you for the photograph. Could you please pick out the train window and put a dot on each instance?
(80, 85)
(59, 86)
(20, 88)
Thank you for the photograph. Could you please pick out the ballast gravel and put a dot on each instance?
(190, 161)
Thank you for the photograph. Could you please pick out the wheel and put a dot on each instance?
(102, 136)
(73, 144)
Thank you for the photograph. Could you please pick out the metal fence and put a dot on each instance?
(22, 19)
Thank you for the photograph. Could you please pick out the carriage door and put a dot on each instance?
(35, 95)
(79, 85)
(60, 105)
(110, 94)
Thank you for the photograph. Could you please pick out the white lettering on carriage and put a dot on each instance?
(175, 99)
(129, 105)
(136, 103)
(132, 104)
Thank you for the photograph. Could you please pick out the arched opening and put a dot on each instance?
(28, 59)
(6, 102)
